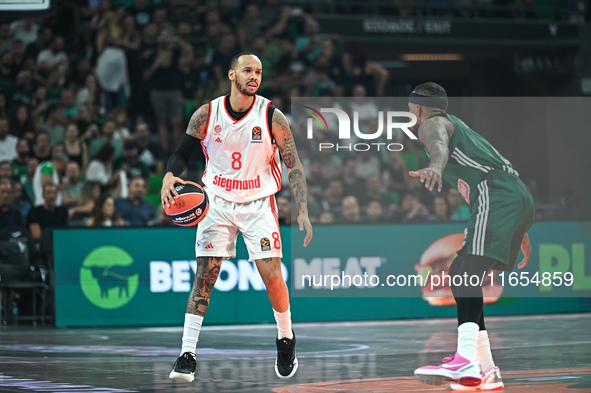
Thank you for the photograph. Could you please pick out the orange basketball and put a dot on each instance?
(190, 207)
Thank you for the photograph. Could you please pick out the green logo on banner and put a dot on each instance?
(107, 277)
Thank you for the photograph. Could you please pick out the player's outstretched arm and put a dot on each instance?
(434, 135)
(295, 170)
(180, 158)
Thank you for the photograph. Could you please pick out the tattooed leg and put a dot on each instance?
(270, 271)
(208, 270)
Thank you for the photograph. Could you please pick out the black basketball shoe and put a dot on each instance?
(286, 364)
(184, 368)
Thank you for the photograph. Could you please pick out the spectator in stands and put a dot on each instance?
(9, 215)
(190, 76)
(18, 56)
(326, 218)
(21, 124)
(165, 95)
(54, 58)
(367, 164)
(396, 173)
(353, 184)
(111, 67)
(411, 209)
(77, 78)
(100, 170)
(107, 137)
(375, 212)
(25, 30)
(351, 212)
(330, 166)
(49, 172)
(20, 201)
(41, 148)
(5, 40)
(90, 95)
(457, 206)
(333, 197)
(23, 92)
(162, 220)
(41, 42)
(39, 105)
(129, 161)
(105, 214)
(374, 192)
(54, 126)
(54, 88)
(134, 209)
(71, 186)
(121, 132)
(284, 210)
(19, 164)
(160, 19)
(3, 104)
(7, 142)
(68, 104)
(222, 56)
(130, 39)
(5, 170)
(48, 215)
(148, 152)
(87, 125)
(440, 209)
(27, 179)
(79, 214)
(570, 206)
(75, 149)
(6, 71)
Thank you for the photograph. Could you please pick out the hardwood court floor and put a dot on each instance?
(536, 354)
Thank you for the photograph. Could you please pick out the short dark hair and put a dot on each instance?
(105, 152)
(234, 61)
(430, 89)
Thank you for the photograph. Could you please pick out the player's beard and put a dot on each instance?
(244, 90)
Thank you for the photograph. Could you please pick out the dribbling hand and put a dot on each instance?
(168, 193)
(430, 176)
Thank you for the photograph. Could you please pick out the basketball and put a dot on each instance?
(190, 207)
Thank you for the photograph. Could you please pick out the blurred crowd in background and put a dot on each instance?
(94, 99)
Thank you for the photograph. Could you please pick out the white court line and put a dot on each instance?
(409, 322)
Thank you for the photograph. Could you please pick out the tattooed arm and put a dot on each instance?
(179, 160)
(434, 133)
(297, 180)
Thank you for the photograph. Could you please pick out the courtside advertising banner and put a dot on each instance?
(142, 276)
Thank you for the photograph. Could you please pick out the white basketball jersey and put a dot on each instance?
(242, 159)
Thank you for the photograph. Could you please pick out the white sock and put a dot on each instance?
(283, 324)
(483, 351)
(467, 340)
(191, 332)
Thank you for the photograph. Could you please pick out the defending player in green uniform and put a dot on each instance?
(502, 210)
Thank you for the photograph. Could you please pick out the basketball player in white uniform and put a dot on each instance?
(242, 136)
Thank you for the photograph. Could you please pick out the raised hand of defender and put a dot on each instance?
(168, 192)
(526, 250)
(430, 176)
(304, 222)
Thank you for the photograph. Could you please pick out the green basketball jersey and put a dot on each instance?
(471, 157)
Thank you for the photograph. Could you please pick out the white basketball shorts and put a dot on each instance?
(256, 220)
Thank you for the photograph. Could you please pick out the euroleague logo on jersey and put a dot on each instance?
(257, 134)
